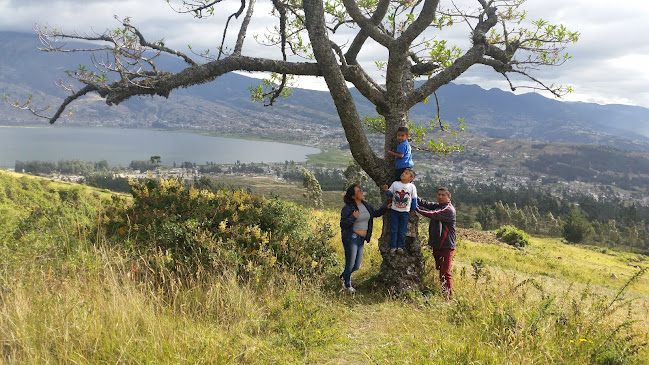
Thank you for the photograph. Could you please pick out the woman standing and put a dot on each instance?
(355, 229)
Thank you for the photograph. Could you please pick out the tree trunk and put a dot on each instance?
(399, 273)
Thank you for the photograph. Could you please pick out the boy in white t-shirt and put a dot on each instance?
(404, 201)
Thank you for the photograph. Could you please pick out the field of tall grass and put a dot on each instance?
(77, 288)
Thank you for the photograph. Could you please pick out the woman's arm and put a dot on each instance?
(379, 212)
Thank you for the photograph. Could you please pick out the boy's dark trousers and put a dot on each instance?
(398, 172)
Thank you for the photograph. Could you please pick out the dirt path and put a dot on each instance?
(478, 236)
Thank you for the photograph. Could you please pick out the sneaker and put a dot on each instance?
(393, 250)
(342, 281)
(351, 290)
(400, 251)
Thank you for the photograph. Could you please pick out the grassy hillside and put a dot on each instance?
(73, 290)
(269, 187)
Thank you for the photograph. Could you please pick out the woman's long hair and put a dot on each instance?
(349, 194)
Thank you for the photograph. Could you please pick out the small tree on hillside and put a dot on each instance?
(354, 174)
(329, 36)
(576, 228)
(313, 191)
(486, 218)
(553, 226)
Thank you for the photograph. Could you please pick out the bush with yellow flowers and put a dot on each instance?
(190, 231)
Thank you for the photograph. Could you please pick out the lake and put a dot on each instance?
(121, 146)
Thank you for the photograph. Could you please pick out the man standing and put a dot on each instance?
(441, 234)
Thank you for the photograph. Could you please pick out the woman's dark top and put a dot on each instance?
(347, 220)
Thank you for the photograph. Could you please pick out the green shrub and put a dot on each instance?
(576, 228)
(186, 230)
(513, 236)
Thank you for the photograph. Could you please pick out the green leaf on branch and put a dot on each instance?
(443, 147)
(102, 79)
(419, 135)
(375, 125)
(266, 91)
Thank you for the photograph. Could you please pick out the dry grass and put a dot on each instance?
(68, 299)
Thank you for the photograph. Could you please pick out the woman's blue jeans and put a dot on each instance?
(353, 257)
(398, 228)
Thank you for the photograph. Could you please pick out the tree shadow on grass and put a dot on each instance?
(370, 290)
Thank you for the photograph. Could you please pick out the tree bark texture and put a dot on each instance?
(401, 273)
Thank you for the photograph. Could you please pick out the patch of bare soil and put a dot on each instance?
(477, 236)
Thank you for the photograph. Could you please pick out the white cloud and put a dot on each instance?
(608, 63)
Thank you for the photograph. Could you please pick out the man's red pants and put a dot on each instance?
(443, 260)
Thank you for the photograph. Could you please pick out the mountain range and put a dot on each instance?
(224, 105)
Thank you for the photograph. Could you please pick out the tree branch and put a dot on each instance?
(345, 105)
(472, 56)
(423, 20)
(61, 108)
(85, 90)
(361, 37)
(367, 25)
(157, 45)
(424, 68)
(361, 80)
(227, 24)
(282, 31)
(366, 85)
(244, 28)
(197, 8)
(163, 83)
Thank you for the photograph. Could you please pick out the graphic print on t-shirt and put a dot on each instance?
(401, 199)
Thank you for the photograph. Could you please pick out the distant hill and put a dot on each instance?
(224, 105)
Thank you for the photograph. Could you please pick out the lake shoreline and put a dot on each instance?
(164, 143)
